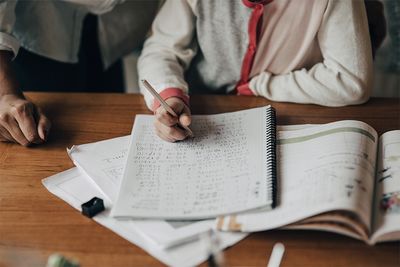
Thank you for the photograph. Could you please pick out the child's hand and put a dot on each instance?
(166, 125)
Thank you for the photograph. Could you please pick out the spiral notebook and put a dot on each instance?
(227, 168)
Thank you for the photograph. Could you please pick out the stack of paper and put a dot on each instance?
(335, 164)
(98, 173)
(146, 182)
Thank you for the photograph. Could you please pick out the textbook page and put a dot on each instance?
(222, 170)
(320, 168)
(75, 188)
(103, 163)
(387, 190)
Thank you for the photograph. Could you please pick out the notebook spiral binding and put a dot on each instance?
(271, 155)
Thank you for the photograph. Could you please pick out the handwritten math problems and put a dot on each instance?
(219, 171)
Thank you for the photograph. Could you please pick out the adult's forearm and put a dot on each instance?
(8, 82)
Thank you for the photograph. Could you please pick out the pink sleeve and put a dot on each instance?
(244, 89)
(168, 93)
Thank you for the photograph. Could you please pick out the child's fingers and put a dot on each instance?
(173, 132)
(164, 137)
(165, 118)
(170, 132)
(176, 104)
(185, 118)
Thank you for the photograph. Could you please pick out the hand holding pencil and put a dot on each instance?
(173, 117)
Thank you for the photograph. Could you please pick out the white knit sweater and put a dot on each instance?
(314, 51)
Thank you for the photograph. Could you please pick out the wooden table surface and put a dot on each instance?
(34, 223)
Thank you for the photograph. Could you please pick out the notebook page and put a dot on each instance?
(222, 170)
(387, 193)
(320, 168)
(103, 162)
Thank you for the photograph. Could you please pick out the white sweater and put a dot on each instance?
(314, 51)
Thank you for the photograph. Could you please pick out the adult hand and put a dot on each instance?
(166, 125)
(20, 120)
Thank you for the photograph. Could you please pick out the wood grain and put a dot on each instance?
(35, 224)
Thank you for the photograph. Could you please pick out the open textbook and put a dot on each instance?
(336, 177)
(228, 167)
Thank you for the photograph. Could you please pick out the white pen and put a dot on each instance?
(276, 255)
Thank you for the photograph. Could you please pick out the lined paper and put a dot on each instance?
(220, 171)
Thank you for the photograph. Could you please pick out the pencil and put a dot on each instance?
(154, 93)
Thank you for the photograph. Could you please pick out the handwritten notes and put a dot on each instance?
(104, 162)
(222, 170)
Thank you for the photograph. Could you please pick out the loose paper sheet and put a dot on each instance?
(103, 163)
(75, 188)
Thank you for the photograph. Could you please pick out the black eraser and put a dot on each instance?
(92, 207)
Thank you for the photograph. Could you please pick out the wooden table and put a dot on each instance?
(34, 223)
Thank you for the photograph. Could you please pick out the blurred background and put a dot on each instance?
(387, 60)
